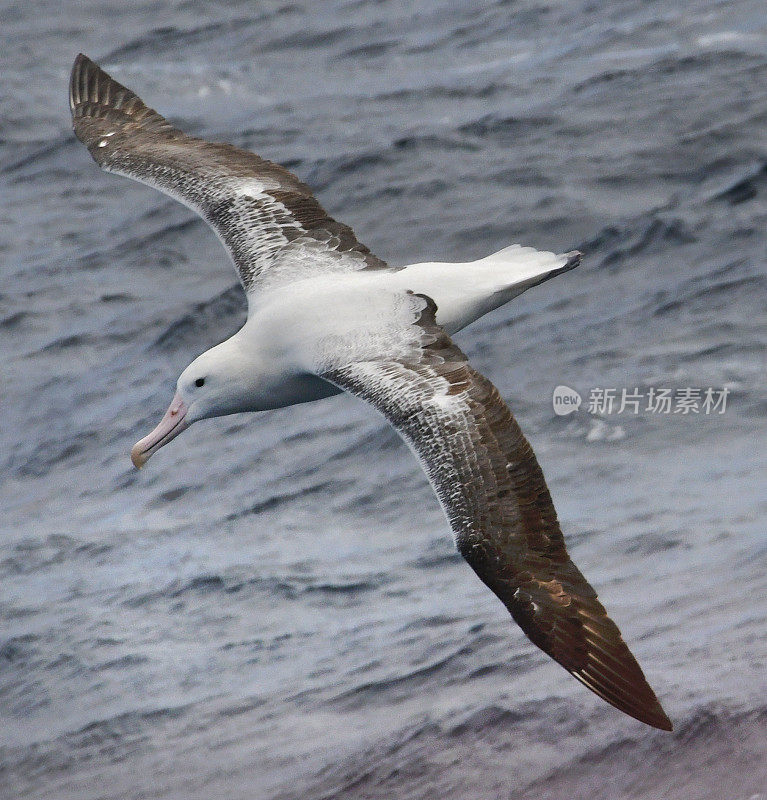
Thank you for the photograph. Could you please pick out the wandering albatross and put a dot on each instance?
(325, 315)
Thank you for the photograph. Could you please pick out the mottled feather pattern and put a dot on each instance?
(377, 323)
(273, 227)
(494, 494)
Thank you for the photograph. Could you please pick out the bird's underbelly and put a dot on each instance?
(294, 389)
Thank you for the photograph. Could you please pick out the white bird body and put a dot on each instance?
(326, 315)
(279, 351)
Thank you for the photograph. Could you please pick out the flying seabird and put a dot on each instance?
(325, 315)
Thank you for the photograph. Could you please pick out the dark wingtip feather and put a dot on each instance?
(642, 704)
(74, 80)
(611, 671)
(98, 101)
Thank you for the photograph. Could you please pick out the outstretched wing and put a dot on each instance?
(270, 222)
(499, 507)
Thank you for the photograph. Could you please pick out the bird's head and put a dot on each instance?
(213, 385)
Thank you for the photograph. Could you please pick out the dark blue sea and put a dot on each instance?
(273, 608)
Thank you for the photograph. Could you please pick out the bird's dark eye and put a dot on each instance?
(200, 382)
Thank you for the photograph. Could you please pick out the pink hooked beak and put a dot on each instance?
(170, 426)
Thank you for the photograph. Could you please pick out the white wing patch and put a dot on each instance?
(251, 187)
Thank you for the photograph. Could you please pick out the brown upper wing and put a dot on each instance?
(496, 499)
(270, 222)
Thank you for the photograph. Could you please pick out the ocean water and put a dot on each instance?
(273, 608)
